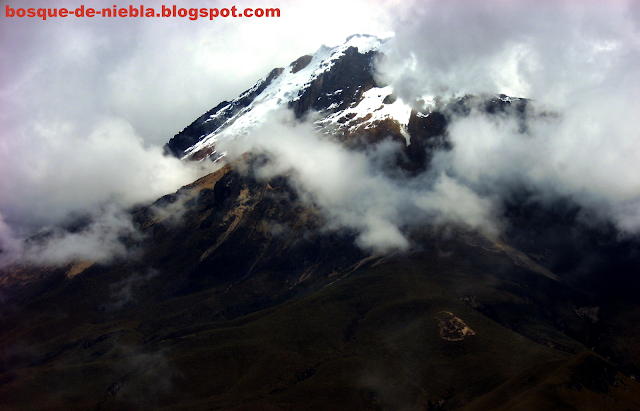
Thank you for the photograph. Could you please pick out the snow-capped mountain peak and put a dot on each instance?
(336, 82)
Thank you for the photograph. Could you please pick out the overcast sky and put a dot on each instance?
(86, 104)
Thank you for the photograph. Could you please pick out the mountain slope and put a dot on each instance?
(236, 296)
(230, 315)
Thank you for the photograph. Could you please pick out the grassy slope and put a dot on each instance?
(367, 341)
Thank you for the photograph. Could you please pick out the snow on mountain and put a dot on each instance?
(373, 108)
(337, 82)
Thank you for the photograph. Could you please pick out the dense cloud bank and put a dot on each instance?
(576, 60)
(66, 174)
(362, 191)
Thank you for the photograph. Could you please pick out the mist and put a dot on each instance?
(362, 191)
(66, 174)
(576, 62)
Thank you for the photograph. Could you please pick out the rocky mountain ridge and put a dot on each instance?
(339, 86)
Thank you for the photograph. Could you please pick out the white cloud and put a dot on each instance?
(577, 60)
(52, 169)
(355, 190)
(101, 241)
(542, 51)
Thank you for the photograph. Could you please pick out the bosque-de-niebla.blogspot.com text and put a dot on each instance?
(140, 11)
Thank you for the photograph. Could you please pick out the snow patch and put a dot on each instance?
(369, 111)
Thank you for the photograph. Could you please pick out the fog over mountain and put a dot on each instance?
(85, 105)
(352, 188)
(572, 59)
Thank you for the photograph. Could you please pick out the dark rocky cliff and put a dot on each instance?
(216, 117)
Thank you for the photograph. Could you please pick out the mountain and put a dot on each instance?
(235, 296)
(339, 86)
(331, 81)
